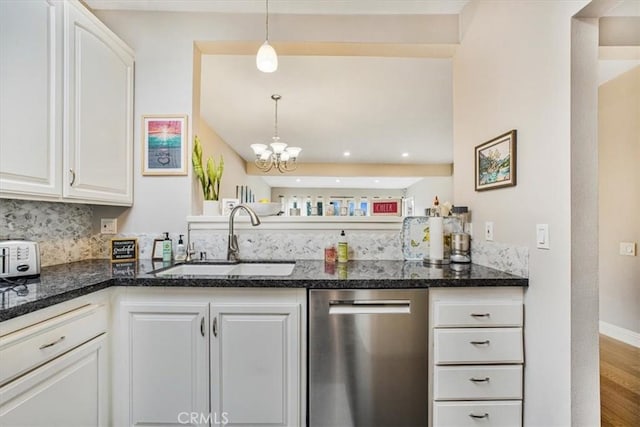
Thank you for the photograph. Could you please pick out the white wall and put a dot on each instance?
(427, 188)
(164, 66)
(619, 157)
(512, 71)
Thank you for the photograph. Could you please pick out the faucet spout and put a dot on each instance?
(232, 247)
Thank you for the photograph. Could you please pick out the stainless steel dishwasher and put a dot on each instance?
(367, 358)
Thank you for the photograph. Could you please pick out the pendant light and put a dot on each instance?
(267, 59)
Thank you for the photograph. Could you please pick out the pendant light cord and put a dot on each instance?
(267, 22)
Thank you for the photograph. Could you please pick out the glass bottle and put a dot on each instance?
(320, 205)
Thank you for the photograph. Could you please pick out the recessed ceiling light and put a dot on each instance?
(337, 180)
(376, 181)
(405, 154)
(297, 179)
(347, 153)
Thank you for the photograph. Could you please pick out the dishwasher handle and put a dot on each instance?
(369, 307)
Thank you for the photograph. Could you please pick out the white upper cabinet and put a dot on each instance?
(66, 118)
(31, 97)
(99, 111)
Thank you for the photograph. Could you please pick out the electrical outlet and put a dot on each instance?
(542, 236)
(488, 231)
(108, 226)
(628, 248)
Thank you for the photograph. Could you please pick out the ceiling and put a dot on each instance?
(340, 182)
(374, 108)
(333, 7)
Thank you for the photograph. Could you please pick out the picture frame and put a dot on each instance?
(228, 205)
(495, 162)
(124, 250)
(164, 144)
(386, 207)
(156, 254)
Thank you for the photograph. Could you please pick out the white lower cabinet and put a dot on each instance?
(209, 357)
(492, 413)
(168, 361)
(476, 357)
(255, 364)
(54, 366)
(69, 391)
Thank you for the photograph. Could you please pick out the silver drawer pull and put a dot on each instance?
(479, 380)
(485, 415)
(480, 314)
(485, 342)
(51, 344)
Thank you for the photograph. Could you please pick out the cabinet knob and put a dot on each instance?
(479, 380)
(202, 326)
(73, 177)
(485, 342)
(215, 326)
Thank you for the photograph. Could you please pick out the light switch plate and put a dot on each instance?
(488, 231)
(108, 226)
(628, 248)
(542, 236)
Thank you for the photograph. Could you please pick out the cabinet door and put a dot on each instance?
(167, 363)
(30, 98)
(255, 364)
(99, 111)
(68, 391)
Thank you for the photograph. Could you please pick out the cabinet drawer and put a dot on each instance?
(469, 315)
(32, 346)
(485, 414)
(478, 346)
(477, 382)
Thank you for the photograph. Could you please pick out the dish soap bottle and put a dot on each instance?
(343, 248)
(167, 248)
(181, 253)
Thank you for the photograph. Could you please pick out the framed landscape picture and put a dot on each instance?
(495, 162)
(164, 145)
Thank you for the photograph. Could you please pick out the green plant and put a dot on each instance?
(209, 179)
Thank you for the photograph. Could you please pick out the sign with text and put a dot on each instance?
(389, 207)
(124, 250)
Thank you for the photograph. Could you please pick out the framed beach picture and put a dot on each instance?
(496, 162)
(164, 145)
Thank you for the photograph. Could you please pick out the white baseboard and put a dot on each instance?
(621, 334)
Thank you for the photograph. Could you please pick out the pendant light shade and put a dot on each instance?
(267, 59)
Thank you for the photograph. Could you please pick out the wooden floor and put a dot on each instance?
(619, 383)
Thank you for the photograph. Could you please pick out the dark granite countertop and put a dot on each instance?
(63, 282)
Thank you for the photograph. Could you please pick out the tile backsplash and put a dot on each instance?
(64, 232)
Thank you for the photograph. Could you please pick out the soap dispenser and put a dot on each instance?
(343, 249)
(167, 248)
(181, 252)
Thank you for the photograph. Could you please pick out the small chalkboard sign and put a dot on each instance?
(124, 250)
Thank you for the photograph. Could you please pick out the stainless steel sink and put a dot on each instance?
(241, 269)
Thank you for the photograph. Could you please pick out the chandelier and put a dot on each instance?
(280, 156)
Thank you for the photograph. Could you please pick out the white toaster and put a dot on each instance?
(19, 258)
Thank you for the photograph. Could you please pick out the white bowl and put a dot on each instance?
(264, 209)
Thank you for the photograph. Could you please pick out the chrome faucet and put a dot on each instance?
(232, 247)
